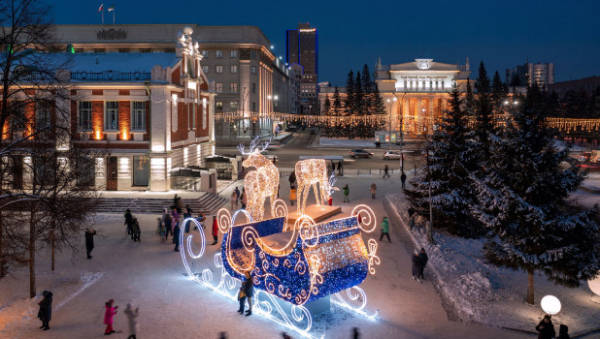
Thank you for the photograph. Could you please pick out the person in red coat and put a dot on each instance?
(215, 230)
(108, 316)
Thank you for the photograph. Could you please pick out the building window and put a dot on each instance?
(219, 87)
(253, 54)
(141, 170)
(87, 171)
(254, 87)
(234, 106)
(205, 69)
(233, 69)
(219, 54)
(219, 106)
(233, 87)
(111, 116)
(84, 119)
(405, 83)
(253, 69)
(42, 115)
(218, 69)
(138, 115)
(233, 53)
(253, 107)
(204, 54)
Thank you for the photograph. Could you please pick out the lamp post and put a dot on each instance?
(391, 102)
(401, 132)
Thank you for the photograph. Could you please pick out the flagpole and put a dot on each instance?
(113, 16)
(103, 16)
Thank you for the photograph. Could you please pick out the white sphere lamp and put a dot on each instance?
(551, 304)
(594, 285)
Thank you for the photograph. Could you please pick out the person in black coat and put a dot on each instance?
(546, 328)
(417, 265)
(89, 242)
(45, 313)
(424, 259)
(176, 231)
(246, 292)
(563, 332)
(129, 222)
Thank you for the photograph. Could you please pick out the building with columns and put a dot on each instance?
(152, 112)
(414, 93)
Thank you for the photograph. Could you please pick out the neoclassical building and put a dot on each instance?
(415, 93)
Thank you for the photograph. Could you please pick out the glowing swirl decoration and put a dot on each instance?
(305, 225)
(279, 210)
(360, 295)
(367, 221)
(224, 218)
(373, 258)
(299, 318)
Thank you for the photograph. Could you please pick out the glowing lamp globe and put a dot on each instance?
(551, 304)
(594, 285)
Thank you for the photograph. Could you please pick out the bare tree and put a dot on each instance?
(46, 177)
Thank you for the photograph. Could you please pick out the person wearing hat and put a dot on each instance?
(45, 313)
(109, 315)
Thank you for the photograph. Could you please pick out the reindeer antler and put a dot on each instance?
(253, 145)
(332, 181)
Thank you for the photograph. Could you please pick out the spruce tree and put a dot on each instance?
(523, 202)
(470, 100)
(485, 129)
(358, 95)
(367, 86)
(327, 106)
(379, 106)
(498, 91)
(451, 163)
(337, 103)
(350, 94)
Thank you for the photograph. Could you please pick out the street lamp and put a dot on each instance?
(389, 101)
(401, 133)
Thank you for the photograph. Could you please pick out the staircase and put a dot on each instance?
(207, 203)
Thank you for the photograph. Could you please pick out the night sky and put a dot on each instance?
(352, 33)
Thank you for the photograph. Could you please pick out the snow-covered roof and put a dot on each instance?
(120, 62)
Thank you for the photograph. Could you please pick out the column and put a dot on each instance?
(244, 83)
(419, 117)
(431, 115)
(100, 177)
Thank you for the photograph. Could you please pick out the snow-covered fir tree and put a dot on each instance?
(359, 96)
(337, 103)
(349, 104)
(452, 160)
(378, 104)
(523, 201)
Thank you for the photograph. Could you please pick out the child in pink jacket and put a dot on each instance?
(108, 316)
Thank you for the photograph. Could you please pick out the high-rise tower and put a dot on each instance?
(302, 49)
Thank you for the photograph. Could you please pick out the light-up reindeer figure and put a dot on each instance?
(260, 183)
(310, 173)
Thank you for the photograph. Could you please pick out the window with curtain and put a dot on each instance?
(111, 116)
(84, 119)
(141, 170)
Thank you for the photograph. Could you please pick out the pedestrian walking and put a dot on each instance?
(177, 204)
(416, 266)
(246, 292)
(373, 190)
(45, 312)
(292, 178)
(339, 167)
(109, 316)
(215, 230)
(385, 229)
(237, 194)
(89, 242)
(132, 316)
(168, 224)
(186, 215)
(386, 170)
(128, 221)
(243, 198)
(403, 179)
(332, 167)
(546, 328)
(176, 231)
(135, 228)
(346, 190)
(424, 259)
(292, 194)
(234, 201)
(355, 333)
(563, 332)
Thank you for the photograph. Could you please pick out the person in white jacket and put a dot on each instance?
(132, 320)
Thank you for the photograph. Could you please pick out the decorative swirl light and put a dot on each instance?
(306, 227)
(373, 258)
(249, 238)
(279, 210)
(225, 219)
(341, 301)
(299, 319)
(368, 220)
(190, 244)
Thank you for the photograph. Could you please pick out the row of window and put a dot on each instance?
(111, 116)
(412, 84)
(233, 87)
(232, 53)
(233, 69)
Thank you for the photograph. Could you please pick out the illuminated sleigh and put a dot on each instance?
(310, 262)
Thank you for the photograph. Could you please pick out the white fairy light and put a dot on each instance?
(309, 173)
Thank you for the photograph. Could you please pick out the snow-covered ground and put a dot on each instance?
(150, 275)
(479, 292)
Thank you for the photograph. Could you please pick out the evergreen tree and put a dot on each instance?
(379, 106)
(337, 103)
(516, 81)
(523, 201)
(327, 106)
(498, 91)
(358, 96)
(367, 86)
(451, 163)
(470, 102)
(485, 130)
(350, 94)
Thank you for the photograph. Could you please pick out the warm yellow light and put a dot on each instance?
(124, 135)
(97, 135)
(309, 173)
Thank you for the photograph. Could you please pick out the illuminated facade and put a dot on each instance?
(152, 111)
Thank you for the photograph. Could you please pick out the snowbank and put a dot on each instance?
(476, 291)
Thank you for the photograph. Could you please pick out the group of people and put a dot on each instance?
(546, 329)
(133, 226)
(419, 261)
(237, 197)
(130, 313)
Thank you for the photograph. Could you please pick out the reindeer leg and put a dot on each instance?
(316, 192)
